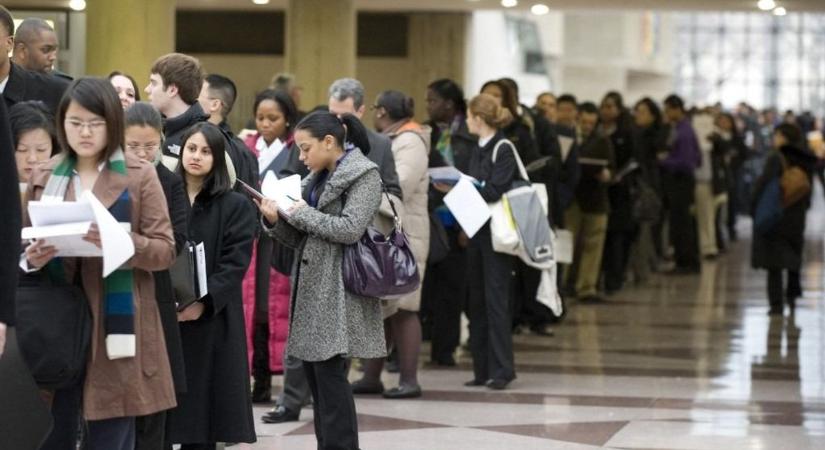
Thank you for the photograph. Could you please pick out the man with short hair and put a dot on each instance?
(586, 218)
(35, 45)
(678, 166)
(18, 84)
(217, 98)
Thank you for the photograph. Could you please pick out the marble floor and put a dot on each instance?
(683, 362)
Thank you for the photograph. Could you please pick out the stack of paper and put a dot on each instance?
(286, 191)
(64, 224)
(468, 206)
(447, 175)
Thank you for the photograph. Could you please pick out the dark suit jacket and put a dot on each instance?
(25, 85)
(10, 225)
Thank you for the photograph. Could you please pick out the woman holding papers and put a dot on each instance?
(216, 406)
(410, 147)
(144, 136)
(265, 289)
(489, 289)
(128, 373)
(328, 325)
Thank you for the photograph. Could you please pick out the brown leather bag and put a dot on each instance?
(795, 184)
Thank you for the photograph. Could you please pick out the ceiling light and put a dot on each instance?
(77, 5)
(260, 2)
(780, 11)
(540, 9)
(766, 5)
(509, 3)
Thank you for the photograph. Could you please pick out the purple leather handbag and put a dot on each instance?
(380, 266)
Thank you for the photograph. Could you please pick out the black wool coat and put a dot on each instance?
(179, 215)
(25, 85)
(10, 225)
(216, 406)
(782, 247)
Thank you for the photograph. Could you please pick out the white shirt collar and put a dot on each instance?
(3, 84)
(267, 153)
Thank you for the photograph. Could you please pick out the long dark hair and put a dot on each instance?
(508, 99)
(284, 102)
(129, 77)
(654, 109)
(99, 97)
(792, 133)
(450, 90)
(29, 116)
(345, 129)
(397, 104)
(217, 181)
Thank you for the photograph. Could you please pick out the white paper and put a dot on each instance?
(66, 238)
(45, 213)
(468, 207)
(200, 262)
(565, 144)
(447, 175)
(286, 191)
(563, 247)
(117, 244)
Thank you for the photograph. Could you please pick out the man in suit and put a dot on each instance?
(9, 227)
(35, 45)
(18, 84)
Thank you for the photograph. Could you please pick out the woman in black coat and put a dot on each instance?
(9, 227)
(143, 137)
(780, 249)
(216, 406)
(616, 124)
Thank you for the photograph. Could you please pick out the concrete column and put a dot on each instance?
(128, 35)
(320, 45)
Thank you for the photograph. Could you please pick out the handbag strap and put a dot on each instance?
(396, 220)
(521, 168)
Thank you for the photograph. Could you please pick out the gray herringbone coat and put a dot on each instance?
(325, 320)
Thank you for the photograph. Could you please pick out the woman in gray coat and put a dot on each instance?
(327, 324)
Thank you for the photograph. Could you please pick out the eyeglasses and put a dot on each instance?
(146, 148)
(92, 125)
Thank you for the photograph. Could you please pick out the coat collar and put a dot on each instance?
(16, 86)
(107, 188)
(353, 167)
(190, 117)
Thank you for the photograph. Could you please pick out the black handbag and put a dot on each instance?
(381, 266)
(54, 328)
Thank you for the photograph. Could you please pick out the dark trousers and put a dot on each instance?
(442, 299)
(679, 189)
(526, 309)
(617, 245)
(491, 341)
(65, 410)
(778, 291)
(296, 391)
(111, 434)
(150, 432)
(260, 352)
(336, 424)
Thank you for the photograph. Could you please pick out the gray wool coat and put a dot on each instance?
(325, 320)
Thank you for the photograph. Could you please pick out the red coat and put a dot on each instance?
(279, 294)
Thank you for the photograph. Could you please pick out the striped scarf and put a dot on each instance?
(119, 306)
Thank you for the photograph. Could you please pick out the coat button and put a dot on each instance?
(305, 261)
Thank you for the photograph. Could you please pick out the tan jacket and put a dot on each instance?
(131, 386)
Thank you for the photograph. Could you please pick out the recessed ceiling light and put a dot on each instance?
(77, 5)
(509, 3)
(780, 11)
(260, 2)
(540, 9)
(766, 5)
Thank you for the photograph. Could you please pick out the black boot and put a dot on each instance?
(262, 389)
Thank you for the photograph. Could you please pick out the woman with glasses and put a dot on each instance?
(127, 372)
(144, 137)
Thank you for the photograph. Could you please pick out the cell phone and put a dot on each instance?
(251, 191)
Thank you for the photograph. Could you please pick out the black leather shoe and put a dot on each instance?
(363, 386)
(498, 384)
(448, 361)
(403, 391)
(474, 383)
(541, 330)
(281, 415)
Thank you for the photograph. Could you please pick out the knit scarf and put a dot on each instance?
(118, 302)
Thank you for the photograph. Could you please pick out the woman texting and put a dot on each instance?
(328, 325)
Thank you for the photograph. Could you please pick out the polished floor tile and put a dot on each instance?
(688, 362)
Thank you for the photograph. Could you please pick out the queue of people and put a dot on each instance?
(641, 190)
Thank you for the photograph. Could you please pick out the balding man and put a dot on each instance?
(35, 45)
